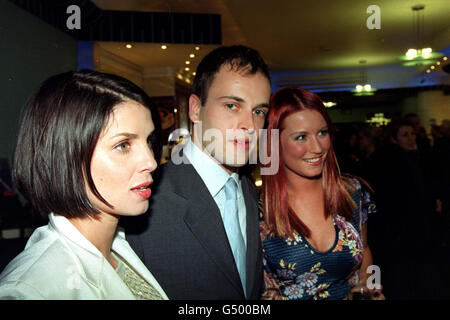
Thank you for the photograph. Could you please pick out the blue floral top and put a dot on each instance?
(294, 270)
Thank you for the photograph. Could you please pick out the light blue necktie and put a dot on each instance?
(233, 229)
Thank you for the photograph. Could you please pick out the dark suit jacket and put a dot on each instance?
(182, 240)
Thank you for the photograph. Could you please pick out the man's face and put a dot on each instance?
(235, 110)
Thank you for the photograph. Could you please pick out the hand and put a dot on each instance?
(438, 206)
(362, 292)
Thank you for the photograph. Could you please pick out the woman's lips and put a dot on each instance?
(144, 193)
(143, 190)
(314, 161)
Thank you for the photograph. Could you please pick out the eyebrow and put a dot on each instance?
(125, 134)
(306, 132)
(238, 99)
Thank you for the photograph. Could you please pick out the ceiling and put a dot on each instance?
(296, 36)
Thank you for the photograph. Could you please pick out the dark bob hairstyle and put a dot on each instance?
(60, 127)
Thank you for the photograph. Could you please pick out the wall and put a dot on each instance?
(433, 105)
(30, 51)
(104, 61)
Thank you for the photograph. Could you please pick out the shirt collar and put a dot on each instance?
(211, 173)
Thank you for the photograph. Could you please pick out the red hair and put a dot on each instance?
(279, 217)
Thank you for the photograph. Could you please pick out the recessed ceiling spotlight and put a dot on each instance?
(197, 48)
(194, 73)
(164, 47)
(129, 46)
(428, 71)
(192, 55)
(432, 67)
(187, 62)
(186, 69)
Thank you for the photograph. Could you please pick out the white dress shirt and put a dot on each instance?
(215, 178)
(60, 263)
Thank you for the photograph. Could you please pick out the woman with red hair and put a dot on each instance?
(313, 219)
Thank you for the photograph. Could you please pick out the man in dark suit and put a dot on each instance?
(200, 238)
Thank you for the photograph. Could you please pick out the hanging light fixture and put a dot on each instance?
(364, 88)
(421, 54)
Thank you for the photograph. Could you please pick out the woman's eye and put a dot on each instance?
(123, 146)
(301, 137)
(323, 132)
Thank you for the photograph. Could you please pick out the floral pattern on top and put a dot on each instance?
(293, 270)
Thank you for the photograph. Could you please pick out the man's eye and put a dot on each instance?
(260, 112)
(231, 106)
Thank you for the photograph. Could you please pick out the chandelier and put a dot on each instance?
(363, 88)
(421, 54)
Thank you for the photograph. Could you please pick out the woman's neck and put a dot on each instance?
(302, 186)
(100, 231)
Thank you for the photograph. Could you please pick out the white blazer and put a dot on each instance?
(60, 263)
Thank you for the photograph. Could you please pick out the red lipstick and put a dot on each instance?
(143, 190)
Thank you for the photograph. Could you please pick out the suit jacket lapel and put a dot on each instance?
(203, 219)
(252, 235)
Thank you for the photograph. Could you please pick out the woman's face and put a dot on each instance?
(123, 160)
(406, 138)
(304, 143)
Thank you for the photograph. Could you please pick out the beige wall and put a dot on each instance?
(159, 82)
(433, 105)
(107, 62)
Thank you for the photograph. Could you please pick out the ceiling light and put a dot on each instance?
(197, 48)
(363, 89)
(164, 47)
(329, 104)
(129, 46)
(179, 76)
(438, 63)
(187, 62)
(411, 53)
(186, 69)
(194, 73)
(420, 55)
(175, 110)
(428, 71)
(444, 58)
(192, 55)
(258, 183)
(432, 67)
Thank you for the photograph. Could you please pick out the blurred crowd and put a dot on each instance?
(409, 173)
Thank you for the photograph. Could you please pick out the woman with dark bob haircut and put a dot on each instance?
(84, 157)
(313, 219)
